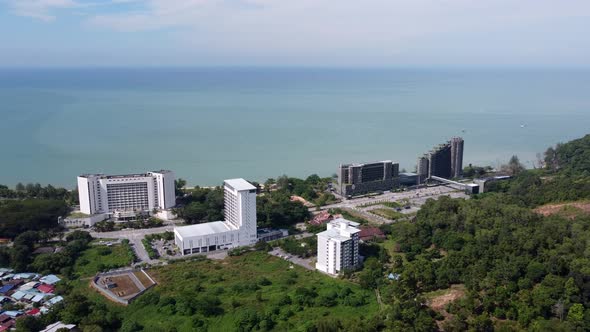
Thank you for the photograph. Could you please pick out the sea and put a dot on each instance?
(211, 124)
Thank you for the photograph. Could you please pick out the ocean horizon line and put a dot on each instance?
(302, 67)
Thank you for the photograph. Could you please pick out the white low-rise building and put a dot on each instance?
(338, 246)
(238, 229)
(101, 194)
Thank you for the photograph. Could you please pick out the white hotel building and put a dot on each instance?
(338, 247)
(238, 229)
(103, 194)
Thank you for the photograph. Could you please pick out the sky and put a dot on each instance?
(521, 33)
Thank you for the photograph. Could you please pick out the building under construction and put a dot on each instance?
(444, 160)
(359, 179)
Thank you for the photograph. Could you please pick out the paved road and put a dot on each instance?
(414, 198)
(417, 194)
(303, 235)
(132, 233)
(135, 236)
(303, 262)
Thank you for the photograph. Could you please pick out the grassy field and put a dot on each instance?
(387, 213)
(99, 257)
(78, 214)
(392, 205)
(351, 215)
(389, 244)
(254, 289)
(240, 293)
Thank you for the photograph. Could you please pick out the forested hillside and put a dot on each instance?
(521, 270)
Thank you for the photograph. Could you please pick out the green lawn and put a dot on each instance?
(252, 285)
(387, 213)
(78, 214)
(392, 205)
(350, 215)
(100, 257)
(389, 244)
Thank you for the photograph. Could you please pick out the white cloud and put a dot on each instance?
(157, 14)
(334, 31)
(40, 9)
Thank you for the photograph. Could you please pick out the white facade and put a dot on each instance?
(89, 221)
(205, 237)
(101, 193)
(238, 229)
(338, 247)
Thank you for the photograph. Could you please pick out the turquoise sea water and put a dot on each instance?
(212, 124)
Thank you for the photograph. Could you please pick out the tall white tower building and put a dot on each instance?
(101, 193)
(240, 209)
(238, 228)
(338, 246)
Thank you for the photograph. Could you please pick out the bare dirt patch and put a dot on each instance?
(438, 300)
(125, 286)
(569, 210)
(443, 297)
(122, 286)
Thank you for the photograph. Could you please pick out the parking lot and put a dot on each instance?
(135, 236)
(416, 196)
(303, 262)
(410, 201)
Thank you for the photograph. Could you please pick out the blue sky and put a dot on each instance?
(294, 32)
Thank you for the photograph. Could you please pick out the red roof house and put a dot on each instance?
(46, 288)
(321, 218)
(33, 312)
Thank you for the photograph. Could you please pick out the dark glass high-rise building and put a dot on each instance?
(456, 157)
(445, 161)
(357, 179)
(440, 161)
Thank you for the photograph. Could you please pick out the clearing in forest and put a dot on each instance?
(568, 210)
(438, 300)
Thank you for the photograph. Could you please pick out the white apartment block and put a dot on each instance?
(101, 194)
(238, 229)
(338, 247)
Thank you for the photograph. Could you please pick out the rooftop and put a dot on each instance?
(6, 288)
(58, 326)
(118, 176)
(340, 229)
(202, 229)
(369, 163)
(239, 184)
(55, 300)
(349, 223)
(50, 279)
(46, 288)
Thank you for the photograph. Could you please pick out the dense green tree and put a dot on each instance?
(29, 324)
(194, 212)
(514, 167)
(277, 210)
(179, 185)
(576, 312)
(18, 216)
